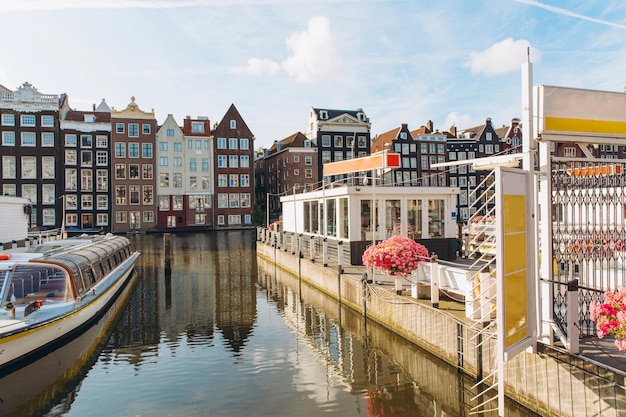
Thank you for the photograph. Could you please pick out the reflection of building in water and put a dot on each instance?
(234, 261)
(347, 360)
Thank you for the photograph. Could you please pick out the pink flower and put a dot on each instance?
(397, 255)
(610, 316)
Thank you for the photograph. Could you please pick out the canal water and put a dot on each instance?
(211, 331)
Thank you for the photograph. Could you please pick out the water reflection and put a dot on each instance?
(212, 330)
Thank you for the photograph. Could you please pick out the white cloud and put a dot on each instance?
(461, 121)
(258, 67)
(313, 52)
(501, 57)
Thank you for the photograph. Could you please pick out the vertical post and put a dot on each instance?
(340, 256)
(398, 285)
(434, 280)
(312, 249)
(294, 241)
(414, 280)
(325, 251)
(573, 332)
(300, 245)
(284, 243)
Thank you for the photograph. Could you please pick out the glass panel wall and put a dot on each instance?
(314, 220)
(331, 222)
(307, 216)
(393, 219)
(435, 218)
(344, 217)
(369, 222)
(414, 219)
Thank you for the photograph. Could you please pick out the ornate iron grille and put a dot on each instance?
(588, 237)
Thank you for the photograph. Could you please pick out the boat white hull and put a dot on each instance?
(20, 344)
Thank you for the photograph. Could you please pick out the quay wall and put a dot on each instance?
(550, 382)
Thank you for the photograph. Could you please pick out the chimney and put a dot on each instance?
(453, 130)
(94, 106)
(429, 126)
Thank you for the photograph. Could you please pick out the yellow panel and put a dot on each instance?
(514, 214)
(514, 252)
(516, 314)
(566, 124)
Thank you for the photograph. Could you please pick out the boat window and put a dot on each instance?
(37, 282)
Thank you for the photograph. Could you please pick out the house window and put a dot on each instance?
(47, 139)
(86, 201)
(8, 120)
(163, 161)
(48, 217)
(86, 159)
(233, 124)
(86, 141)
(220, 220)
(120, 195)
(245, 200)
(29, 139)
(148, 195)
(234, 219)
(102, 180)
(86, 180)
(192, 164)
(133, 150)
(147, 172)
(221, 143)
(47, 167)
(146, 150)
(8, 138)
(308, 173)
(308, 160)
(29, 191)
(222, 180)
(71, 179)
(145, 129)
(119, 127)
(133, 171)
(233, 161)
(120, 150)
(245, 180)
(338, 141)
(178, 147)
(8, 167)
(569, 151)
(205, 164)
(134, 194)
(102, 158)
(164, 202)
(121, 217)
(177, 180)
(221, 161)
(197, 127)
(244, 143)
(233, 200)
(233, 143)
(325, 141)
(169, 133)
(133, 130)
(28, 120)
(222, 200)
(102, 219)
(177, 161)
(47, 121)
(102, 202)
(233, 179)
(29, 167)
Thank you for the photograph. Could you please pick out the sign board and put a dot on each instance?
(516, 299)
(578, 115)
(380, 160)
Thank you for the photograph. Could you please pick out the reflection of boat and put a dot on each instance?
(34, 388)
(52, 290)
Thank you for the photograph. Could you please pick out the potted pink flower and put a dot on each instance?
(610, 316)
(398, 256)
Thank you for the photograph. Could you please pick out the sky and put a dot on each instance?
(454, 62)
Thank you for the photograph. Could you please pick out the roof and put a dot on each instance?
(79, 116)
(295, 140)
(384, 138)
(332, 113)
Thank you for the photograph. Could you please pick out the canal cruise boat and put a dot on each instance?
(56, 289)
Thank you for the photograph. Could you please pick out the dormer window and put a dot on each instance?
(307, 143)
(90, 118)
(488, 135)
(323, 115)
(402, 135)
(360, 116)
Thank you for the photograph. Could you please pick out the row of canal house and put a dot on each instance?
(119, 170)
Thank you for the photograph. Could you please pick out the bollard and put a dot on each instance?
(340, 256)
(325, 252)
(434, 281)
(312, 250)
(573, 332)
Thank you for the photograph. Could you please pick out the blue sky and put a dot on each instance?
(404, 61)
